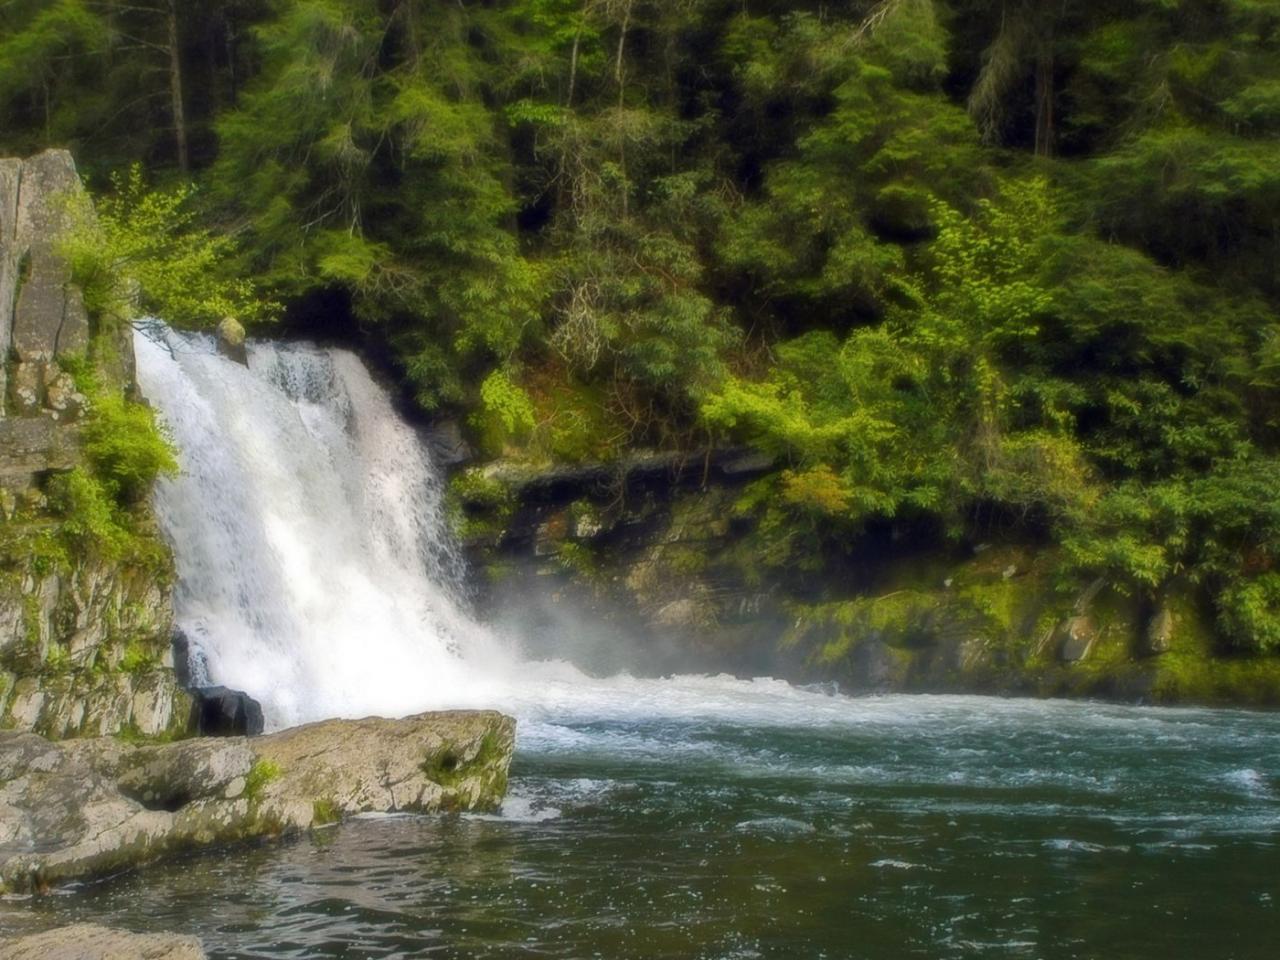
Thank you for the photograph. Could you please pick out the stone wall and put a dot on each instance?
(84, 640)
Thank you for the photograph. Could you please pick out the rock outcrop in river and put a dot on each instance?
(84, 808)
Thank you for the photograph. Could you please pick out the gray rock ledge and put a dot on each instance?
(86, 941)
(84, 808)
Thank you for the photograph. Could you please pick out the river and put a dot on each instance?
(712, 818)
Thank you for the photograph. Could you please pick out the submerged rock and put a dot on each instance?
(83, 808)
(87, 941)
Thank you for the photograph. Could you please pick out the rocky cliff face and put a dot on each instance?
(636, 565)
(85, 649)
(655, 565)
(42, 315)
(84, 639)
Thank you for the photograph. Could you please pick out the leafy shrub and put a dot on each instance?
(137, 244)
(506, 413)
(1249, 613)
(125, 447)
(90, 514)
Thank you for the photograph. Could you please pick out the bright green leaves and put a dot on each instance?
(125, 447)
(125, 451)
(1218, 529)
(152, 238)
(925, 412)
(505, 415)
(983, 281)
(1249, 612)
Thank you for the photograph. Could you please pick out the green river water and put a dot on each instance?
(711, 818)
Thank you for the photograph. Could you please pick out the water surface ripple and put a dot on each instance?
(754, 820)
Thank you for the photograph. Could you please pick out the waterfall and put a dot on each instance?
(314, 568)
(316, 573)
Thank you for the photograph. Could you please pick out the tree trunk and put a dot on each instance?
(573, 68)
(622, 44)
(622, 140)
(175, 87)
(1044, 101)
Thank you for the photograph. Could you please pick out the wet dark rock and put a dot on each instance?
(449, 448)
(745, 463)
(216, 711)
(874, 667)
(184, 670)
(635, 474)
(223, 712)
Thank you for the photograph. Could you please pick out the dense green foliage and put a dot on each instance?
(140, 252)
(949, 260)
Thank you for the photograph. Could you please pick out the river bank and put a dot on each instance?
(659, 562)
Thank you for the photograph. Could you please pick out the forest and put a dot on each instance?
(954, 263)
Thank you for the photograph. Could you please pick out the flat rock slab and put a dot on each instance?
(86, 941)
(83, 808)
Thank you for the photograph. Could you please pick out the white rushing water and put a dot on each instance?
(306, 524)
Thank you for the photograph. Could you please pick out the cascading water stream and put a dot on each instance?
(313, 572)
